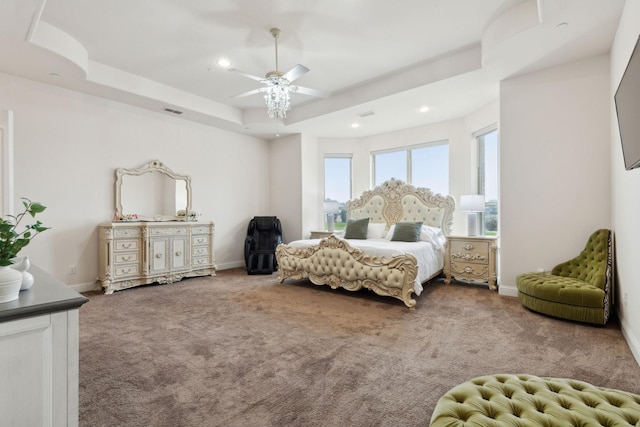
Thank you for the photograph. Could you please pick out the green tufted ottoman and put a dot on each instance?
(527, 400)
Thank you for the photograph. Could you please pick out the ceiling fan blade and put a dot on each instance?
(313, 92)
(249, 76)
(295, 72)
(251, 92)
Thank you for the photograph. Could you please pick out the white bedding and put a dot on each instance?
(430, 255)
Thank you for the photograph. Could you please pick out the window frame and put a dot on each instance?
(407, 149)
(481, 175)
(324, 176)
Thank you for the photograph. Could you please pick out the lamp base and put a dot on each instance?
(472, 224)
(330, 222)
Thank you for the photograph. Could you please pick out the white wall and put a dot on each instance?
(625, 194)
(554, 163)
(285, 183)
(67, 146)
(311, 197)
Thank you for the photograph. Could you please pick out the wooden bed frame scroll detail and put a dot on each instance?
(393, 276)
(335, 263)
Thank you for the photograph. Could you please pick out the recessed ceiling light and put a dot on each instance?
(562, 25)
(423, 109)
(224, 62)
(54, 75)
(355, 125)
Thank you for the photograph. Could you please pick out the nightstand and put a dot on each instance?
(471, 259)
(320, 234)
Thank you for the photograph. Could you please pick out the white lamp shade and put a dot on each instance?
(472, 203)
(331, 206)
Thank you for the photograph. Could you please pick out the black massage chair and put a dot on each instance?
(264, 233)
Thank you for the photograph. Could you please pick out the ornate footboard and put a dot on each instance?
(335, 263)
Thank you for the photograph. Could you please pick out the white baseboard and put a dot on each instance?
(85, 287)
(229, 265)
(508, 291)
(632, 342)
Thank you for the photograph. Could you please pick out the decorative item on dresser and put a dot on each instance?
(136, 252)
(471, 259)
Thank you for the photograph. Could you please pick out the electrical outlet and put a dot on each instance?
(73, 269)
(625, 299)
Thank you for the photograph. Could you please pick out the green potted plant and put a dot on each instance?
(12, 240)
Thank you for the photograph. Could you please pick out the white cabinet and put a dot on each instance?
(39, 359)
(168, 250)
(134, 254)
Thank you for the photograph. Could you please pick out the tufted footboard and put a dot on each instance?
(335, 263)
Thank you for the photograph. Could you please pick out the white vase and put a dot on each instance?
(10, 283)
(22, 265)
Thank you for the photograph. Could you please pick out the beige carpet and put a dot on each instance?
(239, 350)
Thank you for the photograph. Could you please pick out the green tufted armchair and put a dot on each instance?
(579, 289)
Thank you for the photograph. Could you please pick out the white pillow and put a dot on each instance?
(376, 230)
(433, 235)
(390, 232)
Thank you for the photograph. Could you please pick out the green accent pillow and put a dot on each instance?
(357, 229)
(407, 232)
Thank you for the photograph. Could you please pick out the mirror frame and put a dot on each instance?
(152, 166)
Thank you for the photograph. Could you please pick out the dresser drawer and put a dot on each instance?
(200, 240)
(124, 258)
(126, 245)
(120, 233)
(200, 251)
(200, 230)
(469, 271)
(168, 231)
(126, 270)
(200, 262)
(470, 251)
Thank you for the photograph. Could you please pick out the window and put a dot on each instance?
(424, 165)
(337, 189)
(488, 178)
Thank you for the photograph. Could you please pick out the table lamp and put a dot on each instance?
(472, 204)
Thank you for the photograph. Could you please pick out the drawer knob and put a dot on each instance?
(158, 255)
(178, 253)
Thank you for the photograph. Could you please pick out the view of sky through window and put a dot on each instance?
(337, 178)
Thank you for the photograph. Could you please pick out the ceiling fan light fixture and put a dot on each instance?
(277, 99)
(278, 85)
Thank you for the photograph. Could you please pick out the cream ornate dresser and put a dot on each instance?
(137, 253)
(151, 240)
(471, 259)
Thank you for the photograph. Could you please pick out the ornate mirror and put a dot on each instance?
(152, 192)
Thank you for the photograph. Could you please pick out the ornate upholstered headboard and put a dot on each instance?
(394, 201)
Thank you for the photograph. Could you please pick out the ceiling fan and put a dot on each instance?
(278, 85)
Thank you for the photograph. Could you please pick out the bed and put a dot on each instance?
(389, 268)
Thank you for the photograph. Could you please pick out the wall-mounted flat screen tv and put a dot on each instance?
(627, 99)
